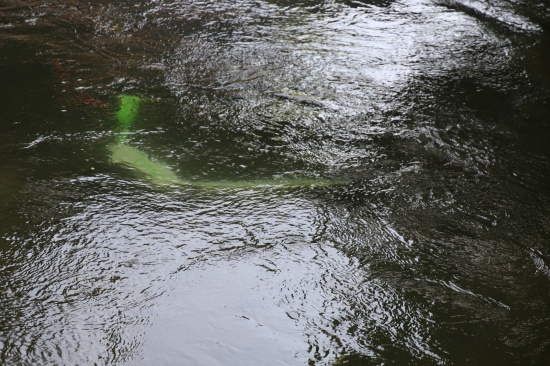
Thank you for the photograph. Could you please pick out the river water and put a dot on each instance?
(427, 243)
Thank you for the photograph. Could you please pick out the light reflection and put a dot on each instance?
(203, 267)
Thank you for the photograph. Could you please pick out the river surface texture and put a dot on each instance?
(358, 182)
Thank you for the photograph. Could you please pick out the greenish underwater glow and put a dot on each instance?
(134, 158)
(160, 174)
(127, 113)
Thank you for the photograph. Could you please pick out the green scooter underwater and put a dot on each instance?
(160, 174)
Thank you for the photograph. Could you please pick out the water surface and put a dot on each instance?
(431, 118)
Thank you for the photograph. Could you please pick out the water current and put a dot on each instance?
(427, 242)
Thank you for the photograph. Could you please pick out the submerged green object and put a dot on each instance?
(122, 153)
(128, 111)
(160, 174)
(136, 159)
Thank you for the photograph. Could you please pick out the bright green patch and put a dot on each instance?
(127, 113)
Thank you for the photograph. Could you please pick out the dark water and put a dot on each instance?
(432, 249)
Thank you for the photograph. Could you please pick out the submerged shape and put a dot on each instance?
(137, 159)
(160, 174)
(131, 156)
(127, 113)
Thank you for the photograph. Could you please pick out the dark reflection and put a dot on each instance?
(431, 117)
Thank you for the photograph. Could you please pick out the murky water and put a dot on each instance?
(428, 241)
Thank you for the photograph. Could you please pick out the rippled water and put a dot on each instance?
(429, 247)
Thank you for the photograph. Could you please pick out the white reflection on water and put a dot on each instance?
(127, 275)
(333, 78)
